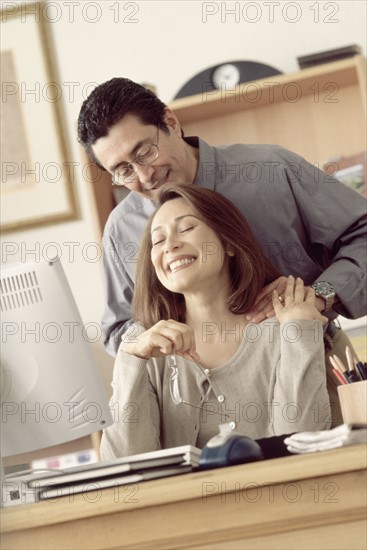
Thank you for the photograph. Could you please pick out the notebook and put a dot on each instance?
(53, 490)
(22, 489)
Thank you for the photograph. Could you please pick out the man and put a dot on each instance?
(309, 224)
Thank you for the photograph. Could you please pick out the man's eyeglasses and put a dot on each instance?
(126, 173)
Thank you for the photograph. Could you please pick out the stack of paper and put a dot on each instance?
(91, 477)
(309, 442)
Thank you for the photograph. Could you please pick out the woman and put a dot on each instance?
(198, 362)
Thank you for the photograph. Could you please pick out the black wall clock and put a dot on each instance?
(225, 75)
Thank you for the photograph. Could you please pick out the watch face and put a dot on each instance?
(324, 288)
(226, 76)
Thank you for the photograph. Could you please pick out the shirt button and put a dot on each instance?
(207, 371)
(232, 425)
(220, 398)
(196, 427)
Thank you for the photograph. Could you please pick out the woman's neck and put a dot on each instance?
(218, 331)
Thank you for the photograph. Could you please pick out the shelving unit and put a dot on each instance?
(319, 112)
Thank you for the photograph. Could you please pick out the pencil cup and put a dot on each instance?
(353, 402)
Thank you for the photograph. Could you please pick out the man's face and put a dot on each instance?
(175, 163)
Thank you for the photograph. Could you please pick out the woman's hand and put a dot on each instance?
(164, 338)
(263, 306)
(297, 303)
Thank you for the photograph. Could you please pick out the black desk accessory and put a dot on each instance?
(228, 449)
(328, 56)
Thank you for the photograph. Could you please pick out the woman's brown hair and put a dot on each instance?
(250, 270)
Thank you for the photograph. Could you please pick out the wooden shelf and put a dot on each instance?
(317, 112)
(321, 82)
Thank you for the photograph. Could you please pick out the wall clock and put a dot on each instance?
(226, 75)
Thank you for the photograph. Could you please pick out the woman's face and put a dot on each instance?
(187, 254)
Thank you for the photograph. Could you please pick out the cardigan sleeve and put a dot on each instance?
(135, 410)
(300, 398)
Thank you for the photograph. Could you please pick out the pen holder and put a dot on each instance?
(353, 402)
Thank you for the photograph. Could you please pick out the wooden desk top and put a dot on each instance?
(185, 487)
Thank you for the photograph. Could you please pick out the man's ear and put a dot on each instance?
(172, 121)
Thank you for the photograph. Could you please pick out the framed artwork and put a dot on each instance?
(37, 178)
(351, 171)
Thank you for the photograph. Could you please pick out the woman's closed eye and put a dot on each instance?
(185, 229)
(158, 240)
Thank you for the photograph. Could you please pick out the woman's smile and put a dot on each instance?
(183, 242)
(180, 263)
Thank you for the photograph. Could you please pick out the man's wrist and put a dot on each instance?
(320, 304)
(324, 291)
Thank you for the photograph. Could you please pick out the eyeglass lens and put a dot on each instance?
(146, 155)
(175, 388)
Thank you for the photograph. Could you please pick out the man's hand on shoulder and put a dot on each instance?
(297, 304)
(263, 307)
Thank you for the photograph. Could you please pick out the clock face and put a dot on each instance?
(226, 76)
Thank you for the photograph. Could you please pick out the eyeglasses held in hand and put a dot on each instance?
(175, 387)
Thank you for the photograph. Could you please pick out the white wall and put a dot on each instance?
(165, 43)
(170, 40)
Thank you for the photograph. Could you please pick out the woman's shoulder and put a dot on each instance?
(266, 329)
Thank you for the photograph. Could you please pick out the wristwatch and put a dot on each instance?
(326, 291)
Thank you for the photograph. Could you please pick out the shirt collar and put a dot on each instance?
(205, 175)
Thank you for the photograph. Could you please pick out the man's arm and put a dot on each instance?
(118, 295)
(120, 243)
(335, 218)
(329, 221)
(331, 229)
(347, 272)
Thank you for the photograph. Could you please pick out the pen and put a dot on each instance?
(362, 370)
(339, 376)
(350, 360)
(352, 376)
(338, 373)
(339, 364)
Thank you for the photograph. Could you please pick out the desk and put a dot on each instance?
(306, 501)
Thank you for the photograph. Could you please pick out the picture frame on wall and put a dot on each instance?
(37, 183)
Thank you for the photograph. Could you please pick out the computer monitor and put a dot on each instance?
(51, 389)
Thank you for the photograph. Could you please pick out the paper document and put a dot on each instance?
(341, 436)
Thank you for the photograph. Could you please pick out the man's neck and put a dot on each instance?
(194, 154)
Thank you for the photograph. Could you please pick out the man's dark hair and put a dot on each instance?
(109, 103)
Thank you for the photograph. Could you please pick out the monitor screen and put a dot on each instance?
(51, 389)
